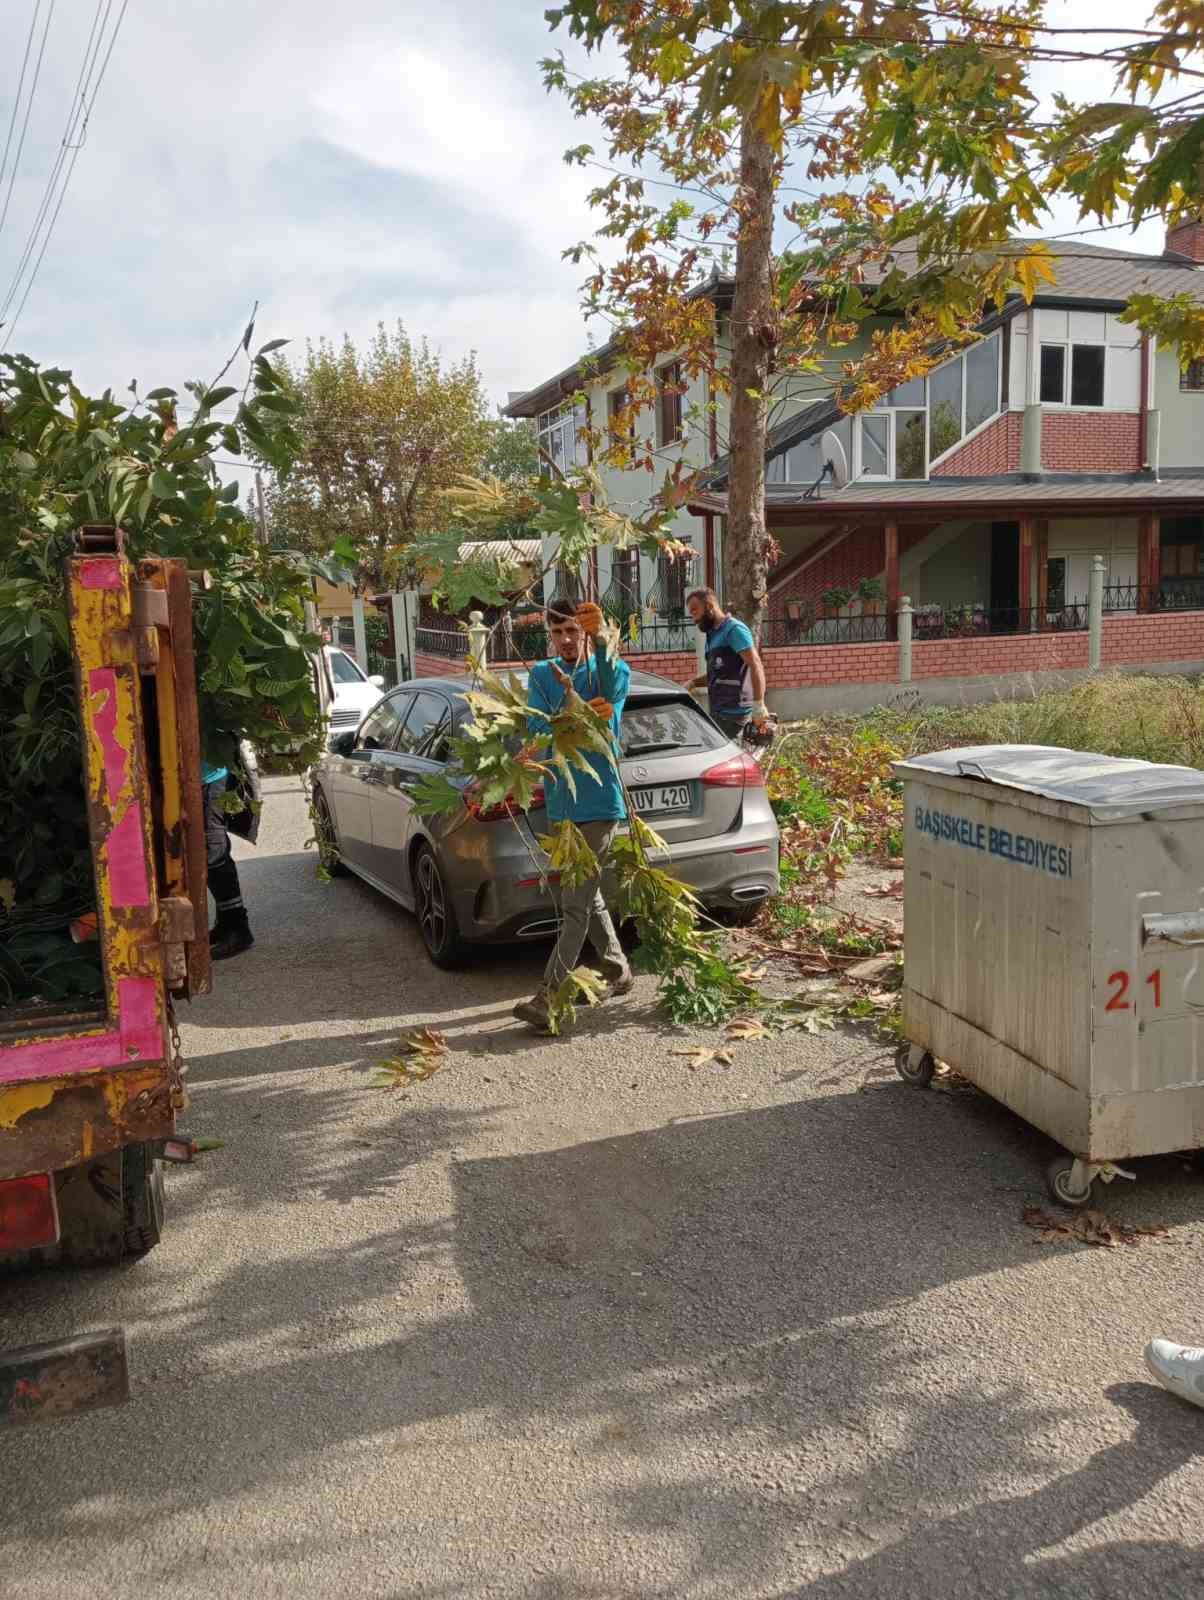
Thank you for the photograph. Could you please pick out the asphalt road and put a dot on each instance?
(570, 1322)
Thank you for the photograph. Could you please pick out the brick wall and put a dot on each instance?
(995, 449)
(994, 657)
(812, 666)
(1128, 641)
(1089, 441)
(1187, 239)
(1172, 636)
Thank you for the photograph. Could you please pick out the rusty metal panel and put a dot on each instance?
(44, 1382)
(47, 1124)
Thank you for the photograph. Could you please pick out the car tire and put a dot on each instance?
(327, 836)
(433, 908)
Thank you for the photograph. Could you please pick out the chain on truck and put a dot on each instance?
(90, 1092)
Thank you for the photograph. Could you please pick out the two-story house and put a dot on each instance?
(989, 485)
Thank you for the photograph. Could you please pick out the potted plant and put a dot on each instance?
(834, 600)
(872, 594)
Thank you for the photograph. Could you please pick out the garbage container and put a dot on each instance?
(1053, 944)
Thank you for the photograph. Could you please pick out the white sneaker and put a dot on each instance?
(1177, 1367)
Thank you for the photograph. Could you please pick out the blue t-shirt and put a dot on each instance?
(599, 797)
(729, 678)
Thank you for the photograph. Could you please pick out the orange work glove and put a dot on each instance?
(601, 708)
(590, 617)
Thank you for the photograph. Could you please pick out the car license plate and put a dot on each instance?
(665, 797)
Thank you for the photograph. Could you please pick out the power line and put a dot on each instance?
(87, 109)
(33, 89)
(74, 113)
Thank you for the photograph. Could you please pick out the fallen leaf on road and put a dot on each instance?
(873, 968)
(698, 1056)
(747, 1028)
(1090, 1227)
(890, 891)
(422, 1054)
(199, 1145)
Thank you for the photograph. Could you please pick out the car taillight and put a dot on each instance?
(28, 1214)
(737, 772)
(503, 809)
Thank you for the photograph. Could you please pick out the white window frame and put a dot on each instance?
(987, 421)
(1069, 346)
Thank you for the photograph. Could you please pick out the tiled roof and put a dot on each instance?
(1093, 272)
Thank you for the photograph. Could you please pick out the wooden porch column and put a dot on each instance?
(709, 547)
(890, 534)
(1149, 559)
(1042, 573)
(1026, 574)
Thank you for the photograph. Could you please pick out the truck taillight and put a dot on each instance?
(504, 808)
(737, 772)
(29, 1216)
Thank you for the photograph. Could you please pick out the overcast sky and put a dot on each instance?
(342, 164)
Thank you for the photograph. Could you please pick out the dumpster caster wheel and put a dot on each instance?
(915, 1065)
(1069, 1182)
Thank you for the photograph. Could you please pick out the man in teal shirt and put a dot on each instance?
(598, 806)
(735, 675)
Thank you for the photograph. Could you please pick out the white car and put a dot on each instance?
(354, 692)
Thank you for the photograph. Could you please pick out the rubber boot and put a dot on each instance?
(230, 935)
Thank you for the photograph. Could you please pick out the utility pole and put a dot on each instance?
(263, 519)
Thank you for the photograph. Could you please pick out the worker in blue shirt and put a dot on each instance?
(598, 806)
(231, 934)
(735, 675)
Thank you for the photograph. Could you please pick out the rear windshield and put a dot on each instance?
(660, 727)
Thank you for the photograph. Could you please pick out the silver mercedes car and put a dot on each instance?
(474, 878)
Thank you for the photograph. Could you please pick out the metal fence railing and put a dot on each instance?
(969, 622)
(807, 628)
(1169, 594)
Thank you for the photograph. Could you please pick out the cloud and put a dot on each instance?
(345, 165)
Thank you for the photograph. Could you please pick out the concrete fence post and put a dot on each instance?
(361, 633)
(478, 642)
(1095, 615)
(905, 614)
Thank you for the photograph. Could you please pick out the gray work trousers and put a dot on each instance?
(583, 915)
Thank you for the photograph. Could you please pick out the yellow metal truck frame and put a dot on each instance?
(90, 1094)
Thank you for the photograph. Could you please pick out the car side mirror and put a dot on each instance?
(377, 680)
(342, 744)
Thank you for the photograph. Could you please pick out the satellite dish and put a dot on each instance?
(832, 454)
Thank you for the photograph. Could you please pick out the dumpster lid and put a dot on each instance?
(1111, 788)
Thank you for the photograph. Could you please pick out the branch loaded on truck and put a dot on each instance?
(90, 1090)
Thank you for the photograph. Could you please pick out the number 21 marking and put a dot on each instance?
(1119, 982)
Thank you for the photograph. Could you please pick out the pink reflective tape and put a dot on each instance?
(137, 1039)
(125, 853)
(102, 692)
(102, 572)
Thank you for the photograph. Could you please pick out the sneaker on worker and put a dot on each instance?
(534, 1011)
(1177, 1367)
(618, 982)
(230, 935)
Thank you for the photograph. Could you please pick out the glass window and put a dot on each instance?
(982, 383)
(666, 726)
(910, 434)
(875, 447)
(427, 711)
(343, 669)
(380, 729)
(1053, 374)
(616, 401)
(669, 400)
(1087, 375)
(944, 409)
(908, 394)
(1191, 377)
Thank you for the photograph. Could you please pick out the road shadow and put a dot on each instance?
(666, 1297)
